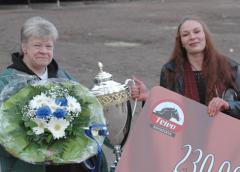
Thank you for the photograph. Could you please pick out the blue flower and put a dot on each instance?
(43, 112)
(60, 113)
(61, 101)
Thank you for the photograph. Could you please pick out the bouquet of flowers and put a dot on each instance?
(46, 122)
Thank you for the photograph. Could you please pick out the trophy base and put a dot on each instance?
(117, 151)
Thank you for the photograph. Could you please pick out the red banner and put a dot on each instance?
(175, 134)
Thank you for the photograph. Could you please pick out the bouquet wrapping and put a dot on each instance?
(46, 121)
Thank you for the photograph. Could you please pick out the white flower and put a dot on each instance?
(53, 106)
(41, 125)
(73, 105)
(39, 100)
(57, 127)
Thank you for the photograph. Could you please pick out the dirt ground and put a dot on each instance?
(128, 37)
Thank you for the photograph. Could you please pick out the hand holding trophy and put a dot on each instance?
(114, 98)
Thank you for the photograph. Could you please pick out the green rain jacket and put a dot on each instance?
(18, 71)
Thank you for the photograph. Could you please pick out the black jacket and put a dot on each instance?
(18, 64)
(169, 71)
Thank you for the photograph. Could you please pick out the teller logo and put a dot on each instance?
(168, 118)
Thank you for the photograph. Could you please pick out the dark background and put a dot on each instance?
(12, 2)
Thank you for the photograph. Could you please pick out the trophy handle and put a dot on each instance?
(128, 123)
(129, 86)
(129, 81)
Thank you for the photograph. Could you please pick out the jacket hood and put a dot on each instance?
(18, 64)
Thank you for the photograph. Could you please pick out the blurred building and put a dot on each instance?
(5, 2)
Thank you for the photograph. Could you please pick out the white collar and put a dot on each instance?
(44, 76)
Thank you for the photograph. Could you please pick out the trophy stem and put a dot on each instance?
(117, 151)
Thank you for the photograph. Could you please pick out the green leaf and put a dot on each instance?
(17, 137)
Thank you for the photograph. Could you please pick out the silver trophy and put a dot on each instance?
(114, 98)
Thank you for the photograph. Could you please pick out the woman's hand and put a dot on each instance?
(216, 105)
(139, 90)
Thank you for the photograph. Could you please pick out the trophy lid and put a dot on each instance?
(102, 76)
(104, 83)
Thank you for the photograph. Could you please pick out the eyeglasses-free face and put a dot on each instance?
(193, 37)
(38, 53)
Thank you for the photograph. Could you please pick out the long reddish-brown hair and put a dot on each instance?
(216, 69)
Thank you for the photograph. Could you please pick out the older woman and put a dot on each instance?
(36, 57)
(198, 71)
(35, 61)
